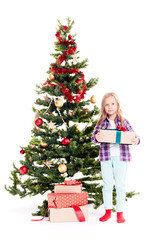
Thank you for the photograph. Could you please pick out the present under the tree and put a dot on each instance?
(70, 185)
(64, 200)
(70, 214)
(115, 136)
(62, 188)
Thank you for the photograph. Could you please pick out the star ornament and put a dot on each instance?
(51, 126)
(46, 98)
(32, 145)
(47, 164)
(36, 116)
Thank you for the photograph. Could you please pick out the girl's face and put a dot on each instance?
(110, 106)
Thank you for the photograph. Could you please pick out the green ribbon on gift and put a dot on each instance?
(118, 136)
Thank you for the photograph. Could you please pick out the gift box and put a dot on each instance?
(70, 185)
(63, 188)
(64, 200)
(68, 214)
(115, 136)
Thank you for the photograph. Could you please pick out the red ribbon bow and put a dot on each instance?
(71, 182)
(121, 128)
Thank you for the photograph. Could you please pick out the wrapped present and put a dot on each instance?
(71, 214)
(64, 200)
(62, 188)
(70, 185)
(115, 136)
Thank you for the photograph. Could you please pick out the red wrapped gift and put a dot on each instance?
(64, 200)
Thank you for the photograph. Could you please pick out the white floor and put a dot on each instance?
(16, 224)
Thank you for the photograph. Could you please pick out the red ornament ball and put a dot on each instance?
(65, 141)
(23, 170)
(79, 81)
(38, 122)
(79, 91)
(69, 37)
(22, 151)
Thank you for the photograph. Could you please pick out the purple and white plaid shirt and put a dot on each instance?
(104, 153)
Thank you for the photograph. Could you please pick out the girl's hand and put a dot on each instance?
(134, 140)
(99, 137)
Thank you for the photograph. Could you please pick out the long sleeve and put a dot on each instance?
(94, 134)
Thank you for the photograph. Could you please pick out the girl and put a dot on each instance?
(113, 157)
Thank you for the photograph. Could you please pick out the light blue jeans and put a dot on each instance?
(114, 169)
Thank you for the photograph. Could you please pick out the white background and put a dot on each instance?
(121, 39)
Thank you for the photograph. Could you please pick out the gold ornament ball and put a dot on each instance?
(58, 103)
(51, 76)
(93, 99)
(77, 127)
(62, 168)
(43, 144)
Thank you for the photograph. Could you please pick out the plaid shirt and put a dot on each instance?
(104, 153)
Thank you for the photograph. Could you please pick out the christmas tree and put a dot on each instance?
(60, 144)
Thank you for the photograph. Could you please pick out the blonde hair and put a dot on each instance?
(104, 114)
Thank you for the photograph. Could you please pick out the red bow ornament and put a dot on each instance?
(71, 181)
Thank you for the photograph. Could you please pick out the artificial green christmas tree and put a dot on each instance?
(60, 145)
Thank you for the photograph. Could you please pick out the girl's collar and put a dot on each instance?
(116, 119)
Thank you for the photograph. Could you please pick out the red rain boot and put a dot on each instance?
(120, 218)
(106, 216)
